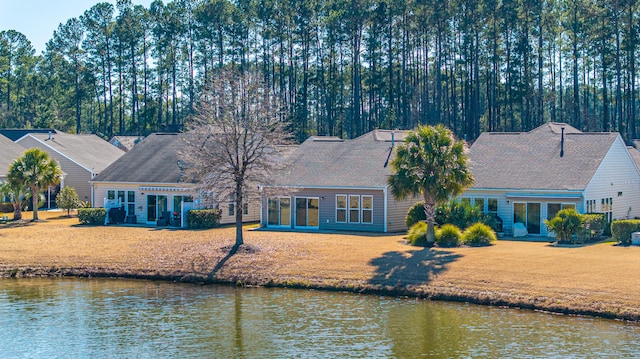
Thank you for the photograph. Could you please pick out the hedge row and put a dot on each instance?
(93, 216)
(203, 218)
(621, 230)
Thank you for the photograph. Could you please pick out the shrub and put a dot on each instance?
(479, 234)
(448, 236)
(621, 230)
(68, 199)
(417, 235)
(594, 224)
(6, 207)
(203, 218)
(415, 214)
(462, 215)
(565, 224)
(94, 216)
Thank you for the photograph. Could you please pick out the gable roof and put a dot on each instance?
(125, 143)
(531, 160)
(9, 152)
(15, 134)
(152, 160)
(89, 151)
(327, 161)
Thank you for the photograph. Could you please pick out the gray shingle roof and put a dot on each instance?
(532, 160)
(88, 150)
(153, 160)
(9, 151)
(332, 162)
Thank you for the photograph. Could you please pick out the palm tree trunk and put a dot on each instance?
(34, 201)
(430, 214)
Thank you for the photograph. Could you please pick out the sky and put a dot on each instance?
(37, 19)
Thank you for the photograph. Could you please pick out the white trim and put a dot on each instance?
(384, 192)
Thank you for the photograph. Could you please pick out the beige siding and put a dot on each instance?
(397, 212)
(75, 175)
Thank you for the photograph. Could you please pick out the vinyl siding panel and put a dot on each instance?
(617, 178)
(397, 212)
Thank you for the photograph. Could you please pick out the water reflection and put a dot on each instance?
(48, 318)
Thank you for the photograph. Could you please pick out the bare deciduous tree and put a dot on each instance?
(233, 142)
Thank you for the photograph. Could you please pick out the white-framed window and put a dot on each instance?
(492, 206)
(554, 208)
(367, 209)
(232, 205)
(353, 208)
(341, 208)
(591, 206)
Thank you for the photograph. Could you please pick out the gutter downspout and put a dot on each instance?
(384, 191)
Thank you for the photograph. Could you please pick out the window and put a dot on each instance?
(341, 208)
(279, 211)
(465, 200)
(111, 194)
(354, 208)
(554, 208)
(479, 202)
(131, 203)
(492, 206)
(232, 205)
(591, 206)
(367, 209)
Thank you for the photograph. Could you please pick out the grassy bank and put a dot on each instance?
(599, 279)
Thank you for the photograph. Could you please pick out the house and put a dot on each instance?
(125, 143)
(335, 184)
(9, 152)
(15, 134)
(81, 157)
(525, 178)
(147, 183)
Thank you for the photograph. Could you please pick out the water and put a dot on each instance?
(101, 318)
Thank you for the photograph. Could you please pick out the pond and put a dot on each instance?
(82, 318)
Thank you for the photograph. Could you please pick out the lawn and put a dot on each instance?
(598, 279)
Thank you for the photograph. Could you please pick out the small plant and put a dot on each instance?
(93, 216)
(621, 230)
(417, 235)
(203, 218)
(567, 223)
(479, 234)
(415, 214)
(68, 199)
(448, 236)
(595, 225)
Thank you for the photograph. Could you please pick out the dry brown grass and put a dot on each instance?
(599, 279)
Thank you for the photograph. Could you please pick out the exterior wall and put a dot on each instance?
(506, 202)
(397, 212)
(327, 209)
(616, 178)
(101, 188)
(76, 176)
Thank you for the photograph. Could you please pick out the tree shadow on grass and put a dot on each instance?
(401, 269)
(233, 250)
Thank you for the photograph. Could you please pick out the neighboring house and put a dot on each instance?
(125, 143)
(528, 177)
(334, 184)
(15, 134)
(146, 182)
(81, 157)
(9, 152)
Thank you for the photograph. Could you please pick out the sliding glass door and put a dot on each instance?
(307, 212)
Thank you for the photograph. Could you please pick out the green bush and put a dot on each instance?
(479, 234)
(595, 225)
(203, 218)
(565, 224)
(460, 214)
(621, 230)
(448, 236)
(68, 199)
(94, 216)
(6, 207)
(417, 235)
(415, 214)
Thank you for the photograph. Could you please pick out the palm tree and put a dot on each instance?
(433, 164)
(16, 195)
(34, 170)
